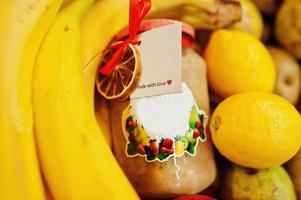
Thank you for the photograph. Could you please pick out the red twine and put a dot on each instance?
(138, 10)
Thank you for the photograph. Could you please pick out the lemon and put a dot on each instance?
(251, 19)
(238, 62)
(256, 129)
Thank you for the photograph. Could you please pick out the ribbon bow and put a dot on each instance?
(138, 10)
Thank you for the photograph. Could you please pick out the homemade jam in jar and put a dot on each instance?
(161, 142)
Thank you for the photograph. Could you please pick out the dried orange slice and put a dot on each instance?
(124, 79)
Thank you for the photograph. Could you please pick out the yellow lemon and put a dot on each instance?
(238, 62)
(256, 129)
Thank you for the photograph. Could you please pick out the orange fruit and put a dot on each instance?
(125, 77)
(256, 129)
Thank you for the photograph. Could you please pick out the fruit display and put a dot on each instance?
(228, 126)
(162, 148)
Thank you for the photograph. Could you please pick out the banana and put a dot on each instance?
(201, 14)
(75, 158)
(48, 195)
(112, 13)
(23, 25)
(65, 3)
(102, 114)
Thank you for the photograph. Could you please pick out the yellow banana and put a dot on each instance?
(48, 195)
(113, 13)
(102, 114)
(65, 3)
(75, 158)
(23, 25)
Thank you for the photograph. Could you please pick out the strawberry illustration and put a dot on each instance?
(170, 151)
(196, 133)
(167, 142)
(132, 124)
(199, 124)
(164, 150)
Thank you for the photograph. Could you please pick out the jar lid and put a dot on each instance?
(187, 31)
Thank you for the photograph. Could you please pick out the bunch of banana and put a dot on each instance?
(75, 158)
(23, 25)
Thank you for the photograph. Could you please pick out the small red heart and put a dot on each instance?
(169, 82)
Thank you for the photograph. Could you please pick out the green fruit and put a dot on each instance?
(251, 184)
(194, 117)
(294, 169)
(184, 140)
(189, 137)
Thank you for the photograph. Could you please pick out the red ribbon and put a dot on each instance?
(138, 10)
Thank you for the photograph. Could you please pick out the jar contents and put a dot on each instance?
(161, 142)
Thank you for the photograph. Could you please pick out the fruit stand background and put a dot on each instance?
(56, 140)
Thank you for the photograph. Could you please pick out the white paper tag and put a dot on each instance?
(160, 52)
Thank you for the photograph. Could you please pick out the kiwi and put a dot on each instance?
(265, 184)
(288, 26)
(288, 74)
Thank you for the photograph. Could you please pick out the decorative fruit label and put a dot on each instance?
(159, 127)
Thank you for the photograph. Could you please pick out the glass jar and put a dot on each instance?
(179, 162)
